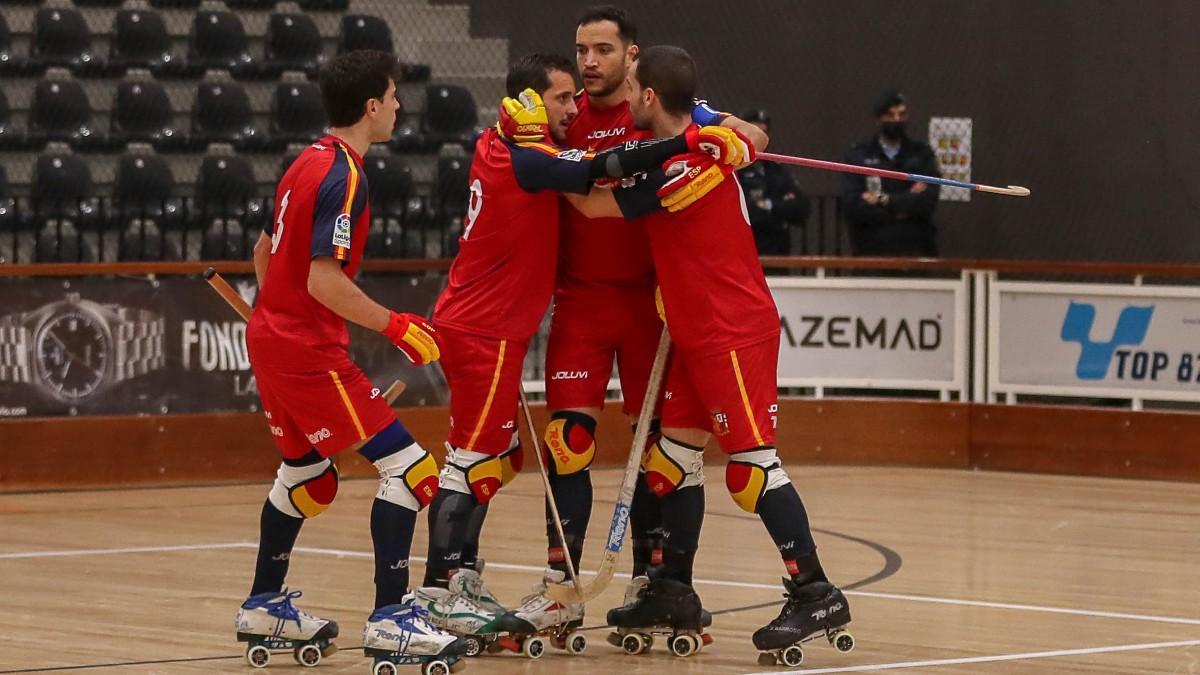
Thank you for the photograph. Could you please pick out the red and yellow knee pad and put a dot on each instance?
(570, 442)
(482, 475)
(304, 491)
(671, 465)
(408, 477)
(751, 474)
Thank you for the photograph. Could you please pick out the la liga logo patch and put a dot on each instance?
(341, 231)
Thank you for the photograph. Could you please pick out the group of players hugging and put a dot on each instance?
(617, 203)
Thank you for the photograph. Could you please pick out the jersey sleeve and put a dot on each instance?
(332, 209)
(641, 198)
(538, 167)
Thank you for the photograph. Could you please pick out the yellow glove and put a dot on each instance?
(726, 146)
(523, 120)
(694, 177)
(414, 337)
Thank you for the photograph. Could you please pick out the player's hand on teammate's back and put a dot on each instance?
(725, 145)
(414, 336)
(691, 177)
(523, 120)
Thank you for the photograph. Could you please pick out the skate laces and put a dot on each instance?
(285, 610)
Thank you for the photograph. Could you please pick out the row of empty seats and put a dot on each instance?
(218, 40)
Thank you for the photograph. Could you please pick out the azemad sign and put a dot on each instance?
(872, 333)
(1076, 339)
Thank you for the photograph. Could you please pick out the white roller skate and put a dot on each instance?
(454, 611)
(540, 617)
(398, 635)
(470, 583)
(269, 621)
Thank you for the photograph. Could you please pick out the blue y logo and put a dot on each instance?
(1095, 357)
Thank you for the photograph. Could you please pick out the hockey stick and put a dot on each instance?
(562, 538)
(620, 520)
(1011, 190)
(231, 297)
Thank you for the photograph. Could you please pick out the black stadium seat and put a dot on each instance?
(144, 204)
(451, 115)
(218, 41)
(63, 204)
(140, 40)
(297, 114)
(226, 206)
(222, 114)
(363, 31)
(175, 4)
(142, 113)
(61, 38)
(395, 230)
(259, 5)
(293, 42)
(60, 112)
(11, 137)
(10, 62)
(325, 5)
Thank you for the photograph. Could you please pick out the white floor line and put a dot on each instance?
(986, 659)
(342, 553)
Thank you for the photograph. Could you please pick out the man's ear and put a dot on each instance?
(631, 53)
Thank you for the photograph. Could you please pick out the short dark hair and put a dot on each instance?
(626, 28)
(352, 79)
(532, 71)
(887, 100)
(671, 73)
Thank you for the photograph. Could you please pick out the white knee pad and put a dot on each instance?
(304, 491)
(752, 474)
(408, 477)
(671, 465)
(478, 474)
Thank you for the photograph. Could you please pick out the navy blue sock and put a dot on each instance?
(682, 517)
(391, 531)
(470, 549)
(783, 513)
(277, 537)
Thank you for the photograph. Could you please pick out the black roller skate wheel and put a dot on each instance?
(576, 643)
(842, 641)
(474, 645)
(308, 655)
(684, 645)
(435, 668)
(384, 667)
(792, 656)
(533, 647)
(258, 656)
(634, 643)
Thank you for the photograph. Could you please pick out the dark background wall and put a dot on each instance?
(1093, 104)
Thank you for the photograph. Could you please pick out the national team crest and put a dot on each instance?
(720, 423)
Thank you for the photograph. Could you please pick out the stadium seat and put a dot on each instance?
(324, 5)
(293, 42)
(144, 205)
(259, 5)
(450, 204)
(61, 38)
(98, 3)
(226, 206)
(11, 63)
(451, 115)
(297, 114)
(218, 41)
(175, 4)
(142, 113)
(11, 136)
(140, 40)
(362, 31)
(63, 204)
(8, 222)
(391, 194)
(61, 112)
(222, 114)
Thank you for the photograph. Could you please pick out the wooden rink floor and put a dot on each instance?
(945, 571)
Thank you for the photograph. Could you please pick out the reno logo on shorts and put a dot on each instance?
(319, 435)
(341, 231)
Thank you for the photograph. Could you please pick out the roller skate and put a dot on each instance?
(452, 610)
(269, 621)
(816, 609)
(539, 617)
(398, 635)
(470, 581)
(661, 607)
(635, 585)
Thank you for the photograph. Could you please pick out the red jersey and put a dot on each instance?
(611, 251)
(502, 279)
(320, 210)
(714, 291)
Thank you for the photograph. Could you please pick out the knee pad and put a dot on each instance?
(653, 435)
(752, 474)
(570, 442)
(511, 462)
(671, 465)
(472, 473)
(408, 477)
(304, 491)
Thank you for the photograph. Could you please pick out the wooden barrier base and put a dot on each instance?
(110, 452)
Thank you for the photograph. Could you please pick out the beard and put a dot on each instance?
(605, 87)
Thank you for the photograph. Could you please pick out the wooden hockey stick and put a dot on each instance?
(620, 521)
(1011, 190)
(537, 451)
(231, 297)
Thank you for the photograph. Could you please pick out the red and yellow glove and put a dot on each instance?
(694, 176)
(523, 120)
(725, 145)
(414, 337)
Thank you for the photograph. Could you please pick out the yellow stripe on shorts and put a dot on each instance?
(737, 371)
(362, 435)
(487, 404)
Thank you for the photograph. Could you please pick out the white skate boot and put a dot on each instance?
(269, 621)
(454, 611)
(539, 617)
(401, 634)
(470, 583)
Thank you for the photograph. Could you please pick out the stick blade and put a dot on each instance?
(586, 592)
(1011, 190)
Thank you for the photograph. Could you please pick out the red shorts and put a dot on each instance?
(733, 393)
(484, 375)
(586, 332)
(329, 409)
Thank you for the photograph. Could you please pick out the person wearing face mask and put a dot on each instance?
(890, 217)
(773, 201)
